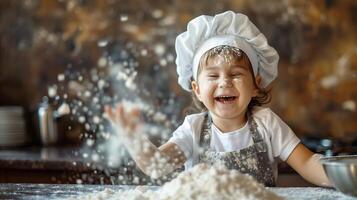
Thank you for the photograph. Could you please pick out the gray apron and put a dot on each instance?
(253, 160)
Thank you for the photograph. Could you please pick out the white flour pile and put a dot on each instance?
(202, 182)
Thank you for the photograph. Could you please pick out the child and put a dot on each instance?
(227, 63)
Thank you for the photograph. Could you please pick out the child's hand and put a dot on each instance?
(127, 119)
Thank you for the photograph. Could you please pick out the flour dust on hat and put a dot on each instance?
(228, 28)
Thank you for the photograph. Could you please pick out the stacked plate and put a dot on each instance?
(12, 126)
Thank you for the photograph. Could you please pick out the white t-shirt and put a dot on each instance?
(280, 139)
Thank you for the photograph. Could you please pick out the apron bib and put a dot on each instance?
(252, 160)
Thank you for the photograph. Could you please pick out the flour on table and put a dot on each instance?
(201, 182)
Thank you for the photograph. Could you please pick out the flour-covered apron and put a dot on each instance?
(253, 160)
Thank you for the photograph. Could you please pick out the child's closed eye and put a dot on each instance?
(236, 75)
(212, 76)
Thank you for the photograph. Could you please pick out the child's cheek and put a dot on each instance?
(237, 80)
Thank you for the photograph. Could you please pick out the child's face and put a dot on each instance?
(226, 88)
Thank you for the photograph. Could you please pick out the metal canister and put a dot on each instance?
(47, 124)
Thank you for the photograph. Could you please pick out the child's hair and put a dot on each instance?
(230, 52)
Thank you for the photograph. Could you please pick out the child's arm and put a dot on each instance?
(153, 161)
(308, 166)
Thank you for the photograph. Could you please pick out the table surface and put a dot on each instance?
(64, 191)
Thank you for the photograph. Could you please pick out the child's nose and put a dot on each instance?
(225, 82)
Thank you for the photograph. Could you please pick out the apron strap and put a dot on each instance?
(205, 135)
(253, 129)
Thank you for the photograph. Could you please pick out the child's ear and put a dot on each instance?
(196, 89)
(258, 80)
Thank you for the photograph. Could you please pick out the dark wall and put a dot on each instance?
(315, 92)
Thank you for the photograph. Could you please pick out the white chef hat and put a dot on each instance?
(228, 28)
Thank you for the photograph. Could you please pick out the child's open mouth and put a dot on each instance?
(225, 99)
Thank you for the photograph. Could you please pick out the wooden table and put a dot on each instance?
(63, 191)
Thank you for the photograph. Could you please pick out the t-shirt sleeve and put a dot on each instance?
(183, 138)
(283, 138)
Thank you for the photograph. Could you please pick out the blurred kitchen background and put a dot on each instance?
(75, 56)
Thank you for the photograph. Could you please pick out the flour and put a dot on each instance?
(201, 182)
